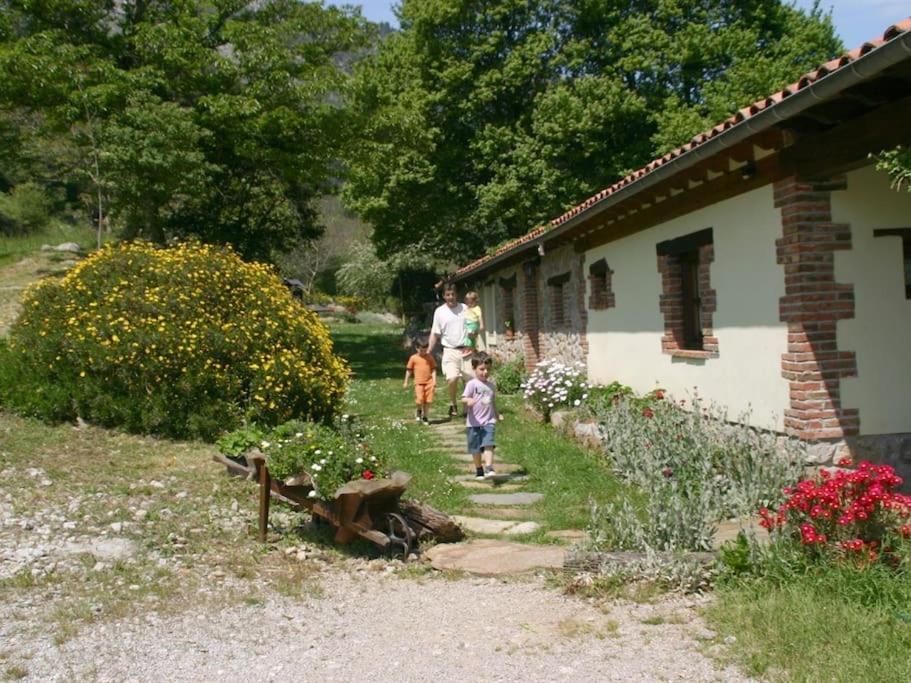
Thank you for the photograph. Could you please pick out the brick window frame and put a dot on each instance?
(602, 293)
(687, 299)
(560, 300)
(905, 234)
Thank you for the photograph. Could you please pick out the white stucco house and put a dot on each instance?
(765, 264)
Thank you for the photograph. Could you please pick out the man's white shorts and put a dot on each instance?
(456, 365)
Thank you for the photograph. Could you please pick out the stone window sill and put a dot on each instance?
(692, 353)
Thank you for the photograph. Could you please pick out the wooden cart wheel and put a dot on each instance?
(400, 535)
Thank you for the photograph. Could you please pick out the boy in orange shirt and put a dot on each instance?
(423, 368)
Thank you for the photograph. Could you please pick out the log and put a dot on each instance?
(425, 520)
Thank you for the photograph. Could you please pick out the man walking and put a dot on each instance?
(449, 328)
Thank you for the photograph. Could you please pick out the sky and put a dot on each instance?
(855, 20)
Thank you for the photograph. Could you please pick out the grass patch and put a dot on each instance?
(832, 624)
(15, 673)
(14, 247)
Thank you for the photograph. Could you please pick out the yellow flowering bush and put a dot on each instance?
(186, 341)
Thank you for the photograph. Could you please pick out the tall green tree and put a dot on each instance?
(219, 119)
(483, 118)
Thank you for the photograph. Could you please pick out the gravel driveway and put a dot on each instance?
(370, 625)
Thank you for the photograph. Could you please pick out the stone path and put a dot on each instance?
(502, 511)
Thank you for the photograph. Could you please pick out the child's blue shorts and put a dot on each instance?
(480, 438)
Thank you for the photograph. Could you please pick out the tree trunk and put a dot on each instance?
(426, 521)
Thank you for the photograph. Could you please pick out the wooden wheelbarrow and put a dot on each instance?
(372, 510)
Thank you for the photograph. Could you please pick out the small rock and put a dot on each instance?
(730, 640)
(116, 527)
(70, 247)
(140, 515)
(99, 567)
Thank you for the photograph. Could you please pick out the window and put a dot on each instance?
(905, 234)
(560, 300)
(687, 300)
(689, 294)
(599, 277)
(508, 293)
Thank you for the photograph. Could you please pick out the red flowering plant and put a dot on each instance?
(855, 514)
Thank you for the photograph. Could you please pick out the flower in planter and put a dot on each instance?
(330, 457)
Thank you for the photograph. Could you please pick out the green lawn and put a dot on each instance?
(834, 625)
(568, 475)
(13, 248)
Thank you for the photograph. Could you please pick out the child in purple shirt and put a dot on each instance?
(479, 398)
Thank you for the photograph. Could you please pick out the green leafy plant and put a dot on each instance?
(695, 469)
(509, 376)
(235, 444)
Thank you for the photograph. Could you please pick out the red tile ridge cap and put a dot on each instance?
(741, 115)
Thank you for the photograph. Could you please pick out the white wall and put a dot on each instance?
(880, 332)
(625, 342)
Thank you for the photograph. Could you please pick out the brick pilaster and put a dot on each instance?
(578, 280)
(812, 306)
(531, 324)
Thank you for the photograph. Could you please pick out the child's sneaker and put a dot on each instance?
(425, 420)
(479, 473)
(417, 415)
(489, 473)
(453, 411)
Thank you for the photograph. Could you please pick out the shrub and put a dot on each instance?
(25, 209)
(509, 376)
(554, 384)
(855, 515)
(330, 456)
(601, 399)
(187, 341)
(695, 468)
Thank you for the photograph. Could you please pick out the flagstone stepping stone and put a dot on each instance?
(506, 498)
(730, 529)
(503, 469)
(501, 477)
(490, 557)
(522, 528)
(568, 534)
(503, 513)
(480, 525)
(488, 485)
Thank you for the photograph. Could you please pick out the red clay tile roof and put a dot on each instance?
(745, 113)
